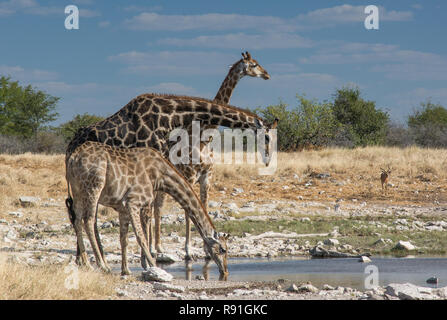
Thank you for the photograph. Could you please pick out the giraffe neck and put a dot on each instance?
(147, 120)
(227, 87)
(173, 183)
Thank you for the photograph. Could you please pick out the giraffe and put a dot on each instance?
(202, 173)
(126, 180)
(147, 120)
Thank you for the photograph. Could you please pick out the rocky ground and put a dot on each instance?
(39, 233)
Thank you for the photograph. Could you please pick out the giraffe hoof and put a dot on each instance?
(126, 272)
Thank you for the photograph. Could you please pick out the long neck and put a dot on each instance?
(169, 112)
(223, 96)
(173, 183)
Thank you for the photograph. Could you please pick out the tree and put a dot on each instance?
(24, 110)
(360, 118)
(310, 124)
(68, 129)
(428, 124)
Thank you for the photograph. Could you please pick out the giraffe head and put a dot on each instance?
(216, 247)
(248, 66)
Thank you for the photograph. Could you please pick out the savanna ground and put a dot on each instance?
(308, 184)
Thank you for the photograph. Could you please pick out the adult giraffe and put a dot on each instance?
(202, 172)
(147, 120)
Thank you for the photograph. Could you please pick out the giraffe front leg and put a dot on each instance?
(124, 229)
(133, 213)
(204, 190)
(146, 224)
(187, 237)
(158, 205)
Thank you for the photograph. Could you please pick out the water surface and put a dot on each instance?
(346, 272)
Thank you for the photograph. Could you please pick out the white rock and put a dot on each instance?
(292, 288)
(308, 288)
(17, 214)
(364, 259)
(331, 242)
(167, 258)
(157, 274)
(408, 291)
(404, 245)
(168, 286)
(213, 204)
(238, 190)
(28, 201)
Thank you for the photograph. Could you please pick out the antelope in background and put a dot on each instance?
(384, 176)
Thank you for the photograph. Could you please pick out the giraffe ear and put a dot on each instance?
(275, 124)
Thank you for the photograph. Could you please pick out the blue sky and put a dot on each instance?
(125, 48)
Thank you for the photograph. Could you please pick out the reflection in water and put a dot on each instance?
(336, 272)
(189, 268)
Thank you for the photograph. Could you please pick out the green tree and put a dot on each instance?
(360, 118)
(428, 124)
(24, 110)
(308, 124)
(68, 129)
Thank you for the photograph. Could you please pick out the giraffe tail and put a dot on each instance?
(69, 204)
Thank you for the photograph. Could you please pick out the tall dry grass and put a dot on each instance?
(44, 175)
(20, 282)
(410, 162)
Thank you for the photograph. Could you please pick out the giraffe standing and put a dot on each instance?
(126, 180)
(147, 120)
(202, 172)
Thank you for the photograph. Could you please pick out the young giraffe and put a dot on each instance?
(126, 180)
(147, 120)
(202, 172)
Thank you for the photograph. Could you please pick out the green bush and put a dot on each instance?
(308, 124)
(68, 129)
(365, 123)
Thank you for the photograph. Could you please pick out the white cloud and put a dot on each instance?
(171, 87)
(394, 62)
(104, 24)
(143, 8)
(34, 8)
(242, 40)
(216, 21)
(347, 13)
(174, 62)
(25, 75)
(210, 21)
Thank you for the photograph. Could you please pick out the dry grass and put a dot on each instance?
(424, 170)
(408, 162)
(20, 282)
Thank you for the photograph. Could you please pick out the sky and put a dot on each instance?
(126, 48)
